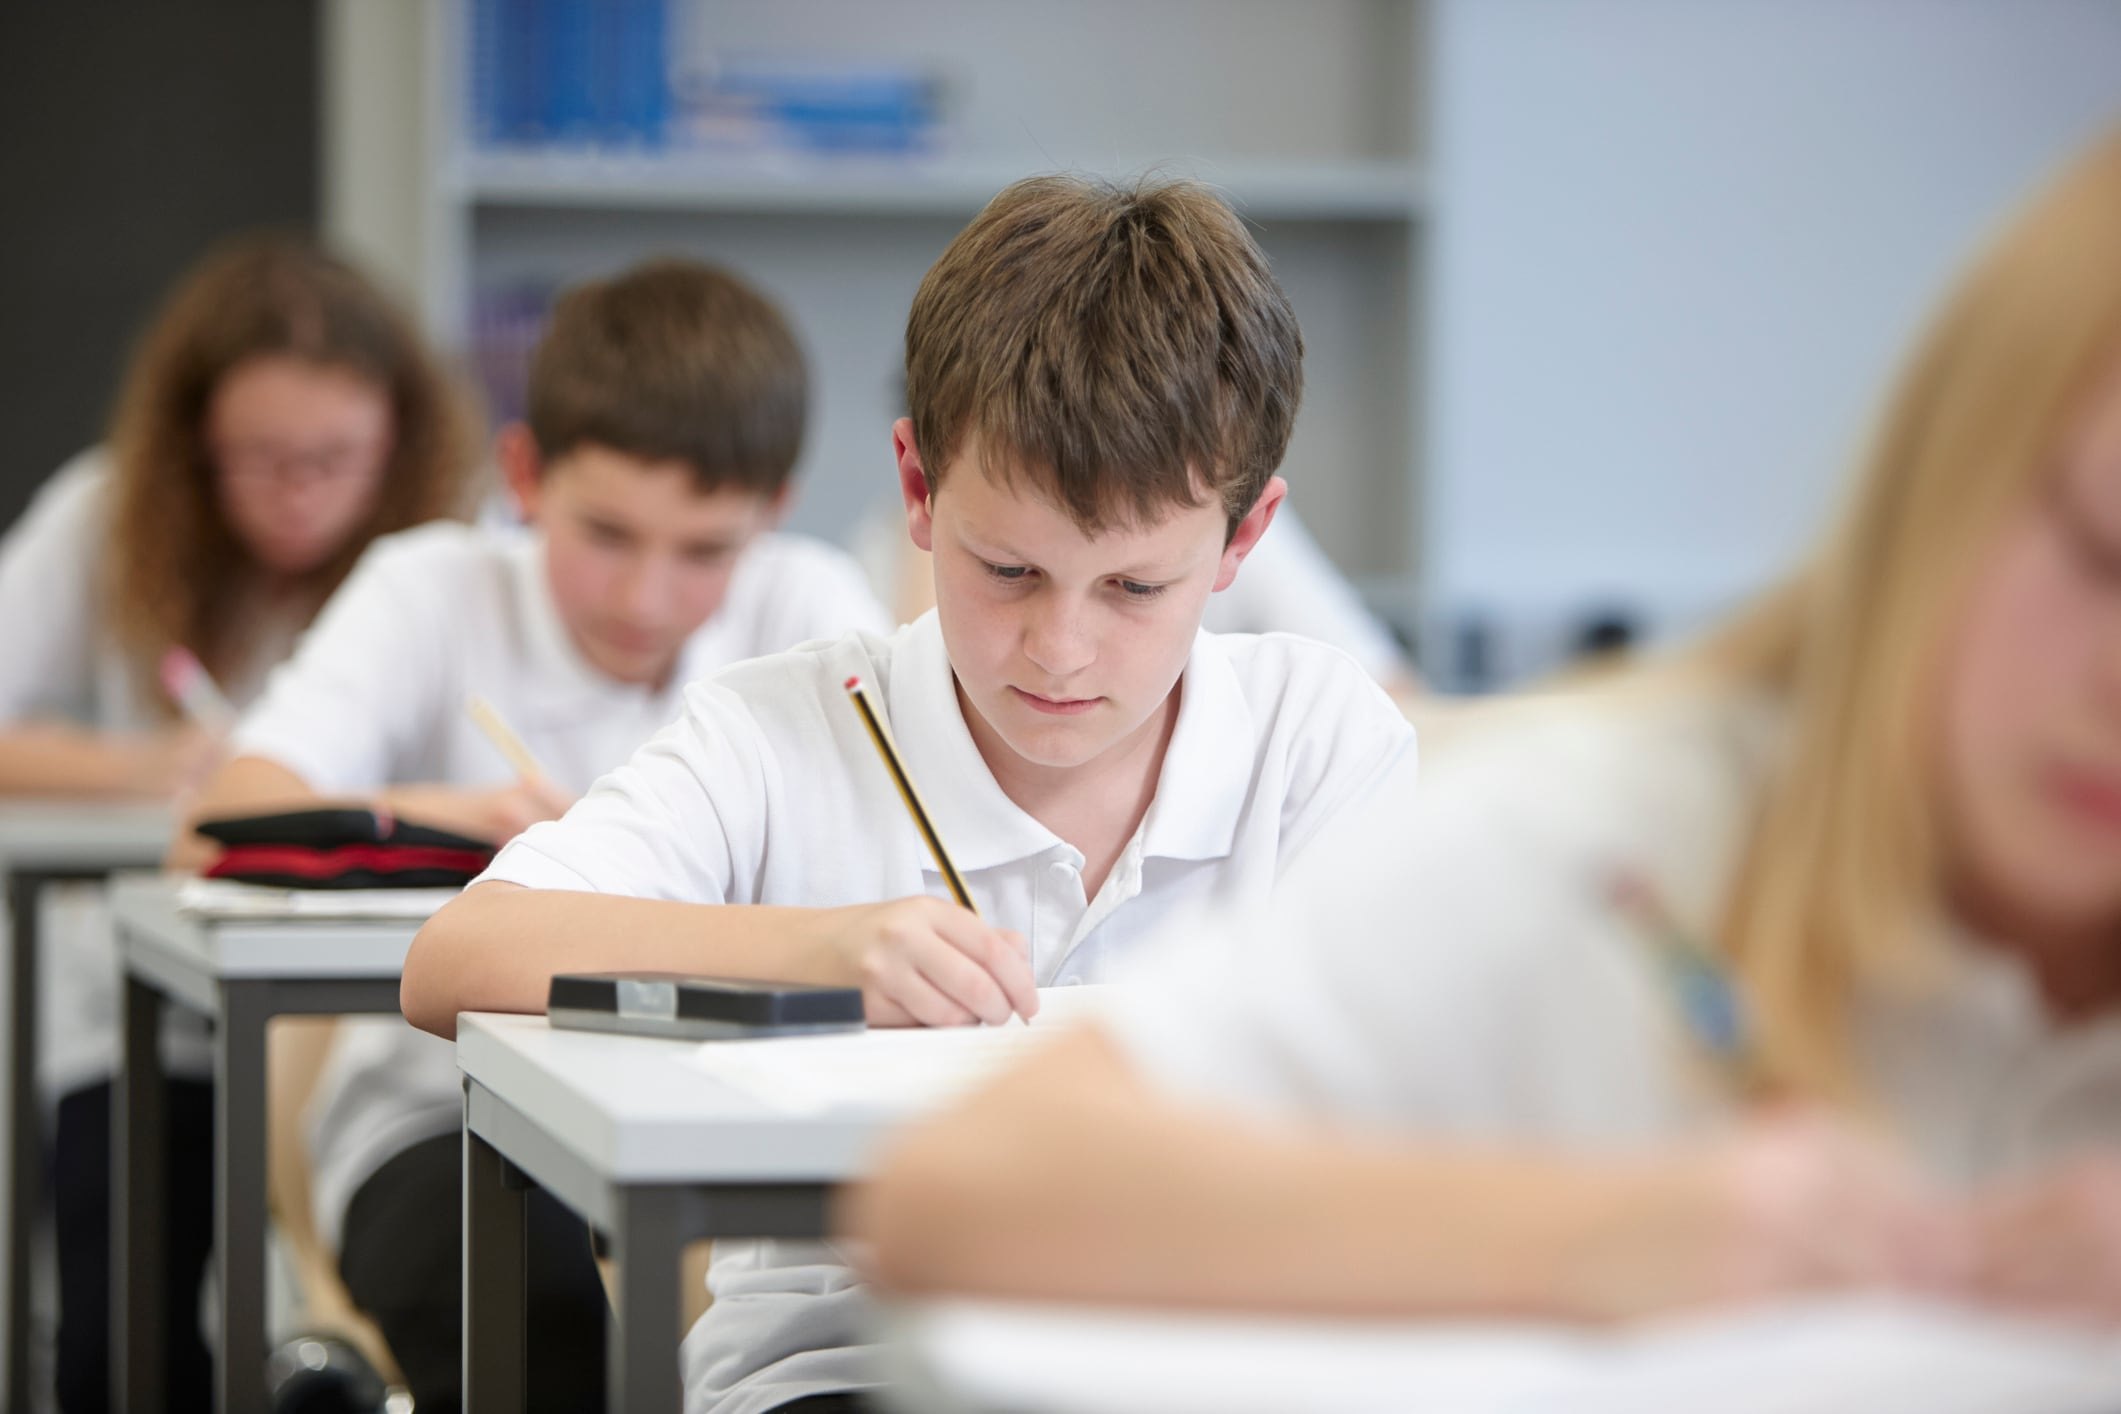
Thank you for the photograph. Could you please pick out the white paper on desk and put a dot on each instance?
(225, 898)
(1821, 1358)
(892, 1069)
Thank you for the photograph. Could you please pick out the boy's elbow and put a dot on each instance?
(423, 994)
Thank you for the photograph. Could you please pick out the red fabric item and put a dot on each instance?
(294, 860)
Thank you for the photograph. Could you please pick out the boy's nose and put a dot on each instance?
(1058, 640)
(642, 591)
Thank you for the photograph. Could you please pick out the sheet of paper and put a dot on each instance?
(1815, 1358)
(225, 898)
(894, 1069)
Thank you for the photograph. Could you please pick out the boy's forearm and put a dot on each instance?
(248, 785)
(498, 947)
(257, 785)
(459, 809)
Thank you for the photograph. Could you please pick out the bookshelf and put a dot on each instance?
(1308, 116)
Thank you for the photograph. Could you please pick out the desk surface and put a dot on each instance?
(151, 922)
(80, 834)
(637, 1109)
(1809, 1359)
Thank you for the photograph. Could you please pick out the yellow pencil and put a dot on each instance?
(881, 735)
(489, 720)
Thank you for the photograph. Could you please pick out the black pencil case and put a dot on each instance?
(342, 848)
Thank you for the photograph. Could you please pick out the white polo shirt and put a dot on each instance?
(1451, 964)
(61, 662)
(375, 695)
(768, 791)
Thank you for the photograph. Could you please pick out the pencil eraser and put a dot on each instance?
(854, 684)
(180, 670)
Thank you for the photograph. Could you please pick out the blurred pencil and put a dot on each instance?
(489, 720)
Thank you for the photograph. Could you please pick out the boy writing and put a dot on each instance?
(665, 411)
(1102, 383)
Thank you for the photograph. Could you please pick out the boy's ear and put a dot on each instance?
(522, 468)
(1249, 530)
(913, 485)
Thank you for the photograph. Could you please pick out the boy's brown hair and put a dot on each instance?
(673, 360)
(1125, 348)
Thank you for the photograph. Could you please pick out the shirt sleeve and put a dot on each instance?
(1288, 585)
(363, 691)
(682, 819)
(49, 562)
(1440, 961)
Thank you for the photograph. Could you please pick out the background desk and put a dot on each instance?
(240, 971)
(1825, 1358)
(43, 843)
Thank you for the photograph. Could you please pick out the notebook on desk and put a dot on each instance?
(897, 1069)
(225, 899)
(1825, 1357)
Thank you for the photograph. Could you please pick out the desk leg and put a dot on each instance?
(641, 1351)
(138, 1181)
(239, 1195)
(25, 1140)
(494, 1276)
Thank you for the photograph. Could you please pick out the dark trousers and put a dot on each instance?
(81, 1190)
(402, 1257)
(852, 1403)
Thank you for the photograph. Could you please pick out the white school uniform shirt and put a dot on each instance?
(376, 696)
(768, 791)
(62, 663)
(1451, 965)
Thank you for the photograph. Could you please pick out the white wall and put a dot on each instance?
(1678, 245)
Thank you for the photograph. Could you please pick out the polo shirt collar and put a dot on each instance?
(1208, 767)
(1200, 792)
(979, 824)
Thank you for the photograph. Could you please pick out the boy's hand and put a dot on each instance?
(927, 962)
(1793, 1202)
(498, 814)
(509, 810)
(2053, 1243)
(172, 761)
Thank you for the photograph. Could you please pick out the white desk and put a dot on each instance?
(1825, 1358)
(653, 1148)
(240, 970)
(43, 843)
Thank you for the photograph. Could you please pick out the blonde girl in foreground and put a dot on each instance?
(1474, 1060)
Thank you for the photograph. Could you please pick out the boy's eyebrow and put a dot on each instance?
(991, 551)
(1144, 571)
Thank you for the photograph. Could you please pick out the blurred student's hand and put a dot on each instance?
(497, 814)
(507, 811)
(173, 761)
(2052, 1244)
(1792, 1203)
(927, 962)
